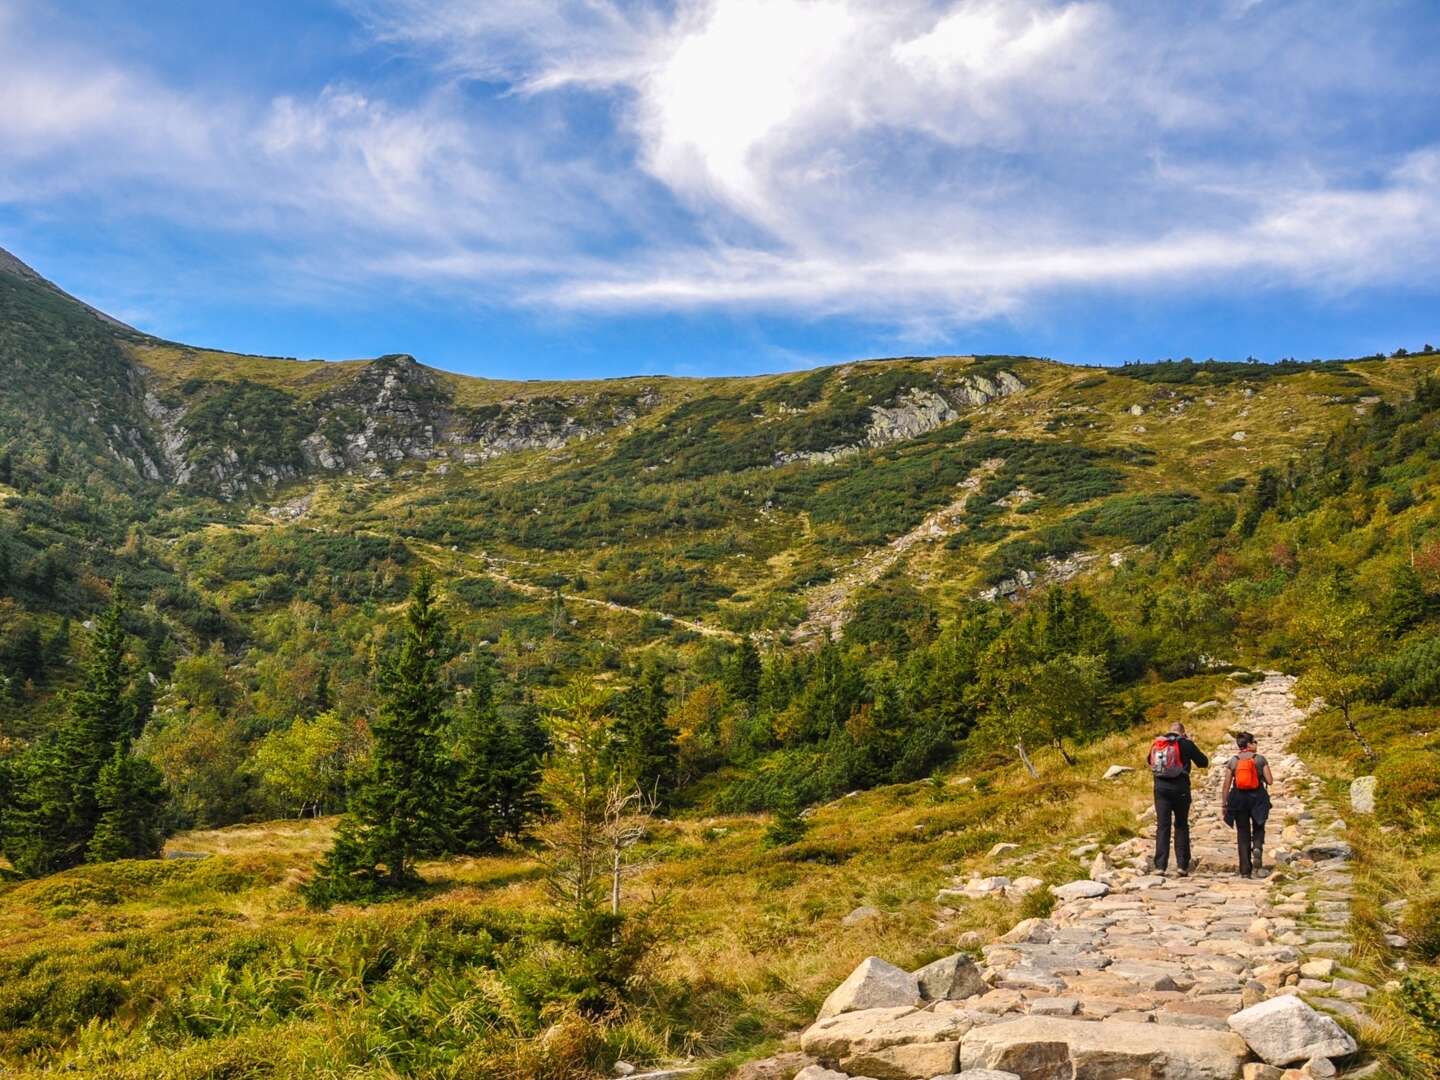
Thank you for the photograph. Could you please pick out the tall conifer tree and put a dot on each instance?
(398, 814)
(496, 770)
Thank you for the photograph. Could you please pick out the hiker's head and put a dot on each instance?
(1244, 740)
(1177, 728)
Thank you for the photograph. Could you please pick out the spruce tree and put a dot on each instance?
(130, 794)
(56, 801)
(398, 813)
(496, 771)
(742, 673)
(642, 747)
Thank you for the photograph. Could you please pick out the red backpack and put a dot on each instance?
(1166, 760)
(1247, 774)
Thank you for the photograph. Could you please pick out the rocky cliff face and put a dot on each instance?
(914, 413)
(230, 439)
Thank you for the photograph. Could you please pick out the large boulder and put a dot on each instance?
(951, 978)
(819, 1072)
(1049, 1048)
(875, 984)
(1285, 1029)
(1362, 795)
(851, 1033)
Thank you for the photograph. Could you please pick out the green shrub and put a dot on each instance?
(1414, 673)
(1037, 903)
(1422, 925)
(1407, 781)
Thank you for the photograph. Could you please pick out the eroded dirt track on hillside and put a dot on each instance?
(828, 606)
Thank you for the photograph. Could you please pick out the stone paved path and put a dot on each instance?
(1134, 975)
(1191, 951)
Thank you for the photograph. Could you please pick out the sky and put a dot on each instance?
(585, 188)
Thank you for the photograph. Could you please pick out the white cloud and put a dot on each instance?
(926, 162)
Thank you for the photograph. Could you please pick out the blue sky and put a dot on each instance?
(582, 188)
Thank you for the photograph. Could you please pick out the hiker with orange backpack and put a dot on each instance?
(1170, 758)
(1245, 802)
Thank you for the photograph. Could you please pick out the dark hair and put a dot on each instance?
(1244, 739)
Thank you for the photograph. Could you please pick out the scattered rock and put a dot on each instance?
(875, 984)
(952, 978)
(1116, 771)
(1003, 847)
(819, 1072)
(1080, 890)
(1022, 886)
(970, 939)
(1322, 967)
(1285, 1029)
(1258, 1070)
(860, 915)
(780, 1067)
(1362, 794)
(1030, 931)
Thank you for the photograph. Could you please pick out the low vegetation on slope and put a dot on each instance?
(654, 542)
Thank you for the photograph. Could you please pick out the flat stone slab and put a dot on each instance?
(1041, 1047)
(1080, 890)
(850, 1033)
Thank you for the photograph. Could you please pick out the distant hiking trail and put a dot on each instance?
(828, 605)
(490, 566)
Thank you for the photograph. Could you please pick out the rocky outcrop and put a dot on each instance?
(914, 413)
(230, 438)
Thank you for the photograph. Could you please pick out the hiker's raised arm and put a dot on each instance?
(1198, 756)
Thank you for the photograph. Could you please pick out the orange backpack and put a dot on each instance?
(1247, 774)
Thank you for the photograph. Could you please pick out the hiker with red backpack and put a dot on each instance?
(1170, 758)
(1245, 801)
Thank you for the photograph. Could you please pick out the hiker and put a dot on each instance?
(1245, 801)
(1170, 758)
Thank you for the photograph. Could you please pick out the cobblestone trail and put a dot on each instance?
(1134, 975)
(1191, 951)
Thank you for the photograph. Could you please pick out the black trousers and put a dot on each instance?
(1172, 802)
(1251, 810)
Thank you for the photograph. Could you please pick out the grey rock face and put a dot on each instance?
(914, 413)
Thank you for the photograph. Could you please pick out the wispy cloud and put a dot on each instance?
(922, 162)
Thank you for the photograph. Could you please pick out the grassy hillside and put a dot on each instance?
(974, 531)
